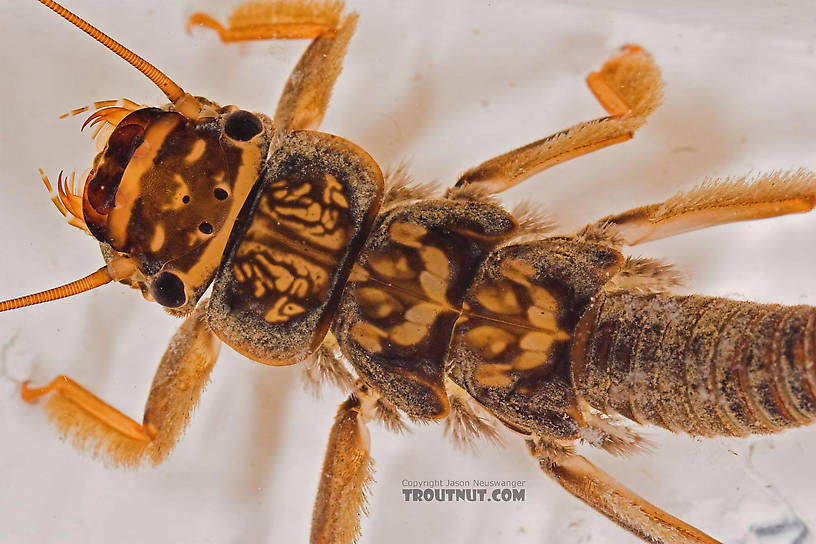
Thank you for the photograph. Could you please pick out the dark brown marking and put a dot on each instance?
(283, 273)
(399, 311)
(530, 297)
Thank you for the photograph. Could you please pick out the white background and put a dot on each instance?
(446, 85)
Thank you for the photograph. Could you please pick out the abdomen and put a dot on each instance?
(701, 365)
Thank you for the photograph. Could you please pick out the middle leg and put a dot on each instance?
(629, 88)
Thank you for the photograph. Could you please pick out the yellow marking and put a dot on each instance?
(284, 279)
(543, 313)
(311, 213)
(83, 109)
(131, 187)
(196, 152)
(436, 262)
(238, 273)
(358, 273)
(491, 341)
(368, 336)
(298, 191)
(408, 334)
(157, 241)
(542, 319)
(329, 218)
(241, 181)
(300, 288)
(498, 299)
(529, 360)
(424, 313)
(281, 280)
(333, 192)
(259, 284)
(377, 303)
(174, 197)
(517, 271)
(407, 234)
(340, 200)
(493, 375)
(418, 320)
(391, 266)
(282, 216)
(300, 278)
(105, 103)
(334, 240)
(293, 309)
(434, 286)
(282, 310)
(541, 341)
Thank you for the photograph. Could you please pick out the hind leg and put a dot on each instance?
(715, 202)
(600, 491)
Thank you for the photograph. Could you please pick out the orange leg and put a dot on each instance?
(629, 88)
(307, 92)
(609, 497)
(90, 403)
(280, 19)
(96, 425)
(716, 202)
(602, 86)
(347, 472)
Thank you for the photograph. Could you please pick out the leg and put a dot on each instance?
(274, 20)
(307, 92)
(713, 203)
(347, 472)
(326, 365)
(99, 427)
(629, 88)
(306, 95)
(600, 491)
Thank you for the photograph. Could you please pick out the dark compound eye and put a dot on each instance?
(220, 194)
(168, 290)
(205, 228)
(242, 126)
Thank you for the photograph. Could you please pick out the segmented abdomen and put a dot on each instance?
(702, 365)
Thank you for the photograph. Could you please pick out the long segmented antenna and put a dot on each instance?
(117, 269)
(91, 281)
(184, 102)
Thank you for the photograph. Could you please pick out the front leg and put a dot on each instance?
(307, 92)
(95, 425)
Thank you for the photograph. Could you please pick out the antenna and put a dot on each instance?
(184, 102)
